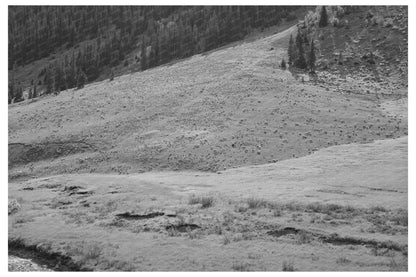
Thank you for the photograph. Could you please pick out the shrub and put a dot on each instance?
(14, 206)
(226, 239)
(401, 218)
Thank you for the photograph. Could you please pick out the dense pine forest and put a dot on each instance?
(88, 40)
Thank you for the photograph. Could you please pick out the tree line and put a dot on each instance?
(301, 50)
(91, 40)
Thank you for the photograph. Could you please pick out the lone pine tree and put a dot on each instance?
(323, 20)
(312, 58)
(143, 57)
(48, 81)
(300, 61)
(81, 79)
(283, 64)
(291, 51)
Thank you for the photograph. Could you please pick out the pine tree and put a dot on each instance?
(283, 64)
(112, 75)
(300, 61)
(323, 20)
(59, 78)
(48, 81)
(340, 58)
(12, 85)
(291, 51)
(371, 59)
(18, 96)
(143, 56)
(305, 40)
(11, 93)
(71, 76)
(81, 79)
(30, 95)
(35, 92)
(312, 58)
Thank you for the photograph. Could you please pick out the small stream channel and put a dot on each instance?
(17, 264)
(29, 258)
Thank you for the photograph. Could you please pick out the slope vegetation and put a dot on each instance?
(229, 108)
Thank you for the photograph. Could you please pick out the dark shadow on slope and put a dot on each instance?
(22, 153)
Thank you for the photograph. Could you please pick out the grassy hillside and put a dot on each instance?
(229, 108)
(222, 161)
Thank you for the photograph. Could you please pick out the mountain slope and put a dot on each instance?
(229, 108)
(333, 196)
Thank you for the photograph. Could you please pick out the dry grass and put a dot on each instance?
(303, 237)
(92, 252)
(256, 203)
(343, 261)
(226, 239)
(288, 266)
(241, 266)
(401, 218)
(206, 201)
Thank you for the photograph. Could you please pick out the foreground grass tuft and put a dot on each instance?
(256, 203)
(205, 200)
(342, 261)
(240, 266)
(287, 266)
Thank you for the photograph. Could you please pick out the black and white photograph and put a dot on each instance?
(206, 137)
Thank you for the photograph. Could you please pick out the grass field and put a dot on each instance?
(312, 212)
